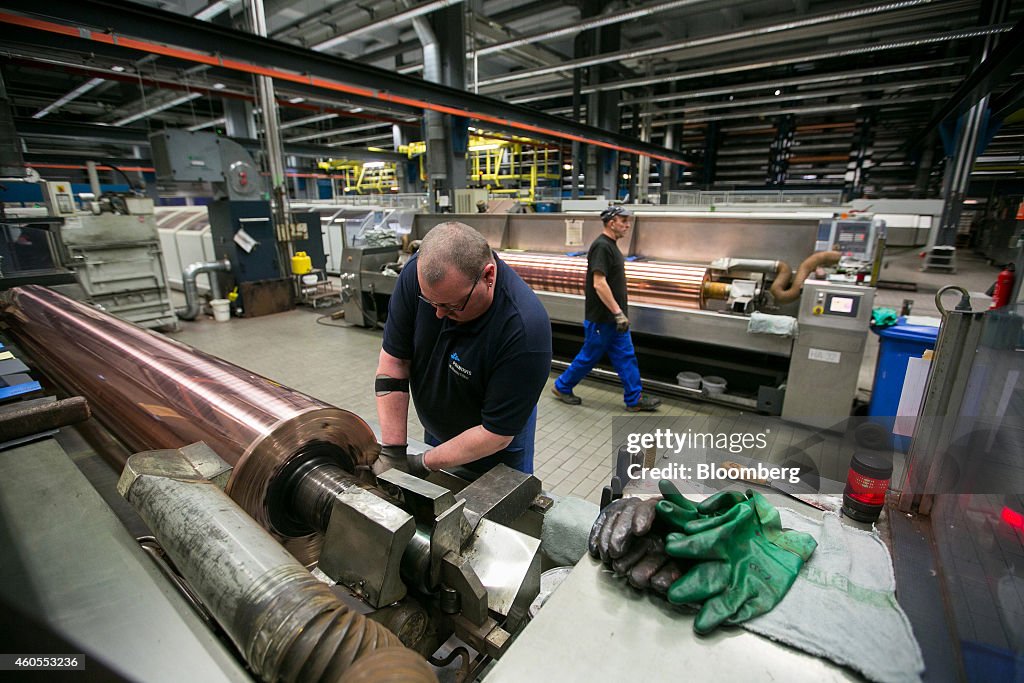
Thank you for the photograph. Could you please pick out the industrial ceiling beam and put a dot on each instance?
(74, 159)
(73, 95)
(1000, 65)
(774, 62)
(866, 90)
(210, 85)
(816, 79)
(397, 18)
(596, 22)
(725, 41)
(155, 31)
(136, 136)
(1008, 103)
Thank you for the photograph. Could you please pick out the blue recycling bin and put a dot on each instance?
(896, 346)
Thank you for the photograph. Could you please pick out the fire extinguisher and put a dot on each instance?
(1003, 287)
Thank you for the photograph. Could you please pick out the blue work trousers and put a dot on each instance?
(600, 339)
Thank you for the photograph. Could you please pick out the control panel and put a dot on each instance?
(58, 198)
(854, 238)
(841, 307)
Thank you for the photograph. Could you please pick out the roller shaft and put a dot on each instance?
(653, 282)
(155, 393)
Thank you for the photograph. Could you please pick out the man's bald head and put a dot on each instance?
(452, 245)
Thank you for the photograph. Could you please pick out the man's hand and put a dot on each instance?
(621, 322)
(397, 456)
(391, 456)
(417, 465)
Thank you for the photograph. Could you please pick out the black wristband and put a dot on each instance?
(383, 385)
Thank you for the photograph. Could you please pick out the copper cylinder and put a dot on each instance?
(677, 285)
(153, 392)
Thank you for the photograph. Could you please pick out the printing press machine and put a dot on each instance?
(693, 280)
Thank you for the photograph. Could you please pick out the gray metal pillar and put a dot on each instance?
(643, 170)
(238, 119)
(958, 174)
(272, 141)
(94, 178)
(602, 163)
(853, 185)
(668, 171)
(444, 61)
(924, 168)
(449, 27)
(12, 164)
(602, 175)
(402, 179)
(958, 170)
(780, 151)
(579, 151)
(712, 141)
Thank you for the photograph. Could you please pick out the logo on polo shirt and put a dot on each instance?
(456, 367)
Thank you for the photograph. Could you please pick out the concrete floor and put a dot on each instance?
(336, 364)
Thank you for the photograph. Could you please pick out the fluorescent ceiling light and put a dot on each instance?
(397, 18)
(157, 109)
(308, 119)
(74, 94)
(213, 9)
(207, 124)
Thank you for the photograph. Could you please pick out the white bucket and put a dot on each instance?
(713, 386)
(688, 380)
(309, 280)
(221, 310)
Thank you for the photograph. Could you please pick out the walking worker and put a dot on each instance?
(606, 325)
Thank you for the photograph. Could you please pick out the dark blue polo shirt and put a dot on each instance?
(489, 371)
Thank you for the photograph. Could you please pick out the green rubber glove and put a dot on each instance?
(749, 561)
(883, 317)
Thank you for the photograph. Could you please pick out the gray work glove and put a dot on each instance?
(620, 539)
(397, 456)
(391, 457)
(621, 322)
(417, 465)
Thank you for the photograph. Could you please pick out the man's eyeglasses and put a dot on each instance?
(456, 308)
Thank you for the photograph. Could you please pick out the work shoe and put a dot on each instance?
(647, 404)
(570, 398)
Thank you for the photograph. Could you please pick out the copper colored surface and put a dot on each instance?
(652, 282)
(153, 392)
(716, 290)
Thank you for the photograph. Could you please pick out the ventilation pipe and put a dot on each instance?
(746, 264)
(437, 141)
(783, 294)
(188, 282)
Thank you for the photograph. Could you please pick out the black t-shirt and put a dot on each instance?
(489, 371)
(604, 257)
